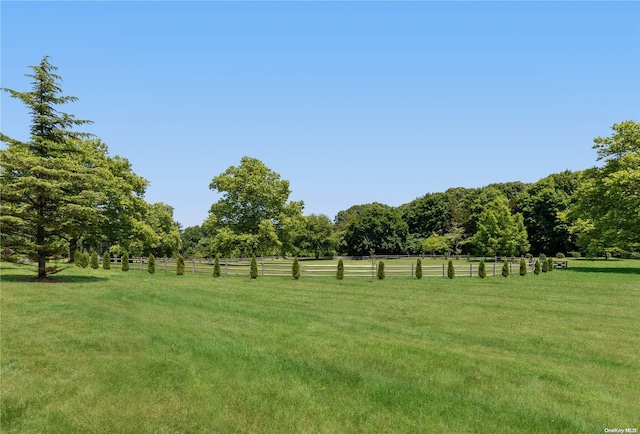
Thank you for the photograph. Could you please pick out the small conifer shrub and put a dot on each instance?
(254, 267)
(451, 272)
(106, 260)
(295, 269)
(94, 260)
(482, 269)
(85, 260)
(216, 266)
(419, 269)
(125, 261)
(523, 267)
(151, 268)
(180, 265)
(545, 265)
(549, 264)
(77, 258)
(381, 274)
(340, 272)
(505, 269)
(536, 267)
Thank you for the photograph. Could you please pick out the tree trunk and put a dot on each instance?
(42, 255)
(73, 246)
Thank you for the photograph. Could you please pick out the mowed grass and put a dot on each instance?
(107, 351)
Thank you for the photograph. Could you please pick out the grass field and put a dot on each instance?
(107, 351)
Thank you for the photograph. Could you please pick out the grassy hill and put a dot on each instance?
(107, 351)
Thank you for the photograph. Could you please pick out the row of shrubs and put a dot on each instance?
(83, 260)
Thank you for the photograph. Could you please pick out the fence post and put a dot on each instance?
(412, 274)
(470, 270)
(226, 268)
(262, 264)
(494, 268)
(140, 263)
(193, 266)
(442, 270)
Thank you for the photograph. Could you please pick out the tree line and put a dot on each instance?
(62, 192)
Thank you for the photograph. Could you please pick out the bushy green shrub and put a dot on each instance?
(576, 254)
(545, 266)
(451, 272)
(419, 269)
(340, 272)
(607, 255)
(549, 264)
(106, 260)
(125, 261)
(216, 266)
(180, 265)
(381, 270)
(77, 258)
(151, 268)
(295, 269)
(93, 261)
(536, 267)
(523, 267)
(505, 269)
(559, 255)
(254, 267)
(635, 255)
(482, 269)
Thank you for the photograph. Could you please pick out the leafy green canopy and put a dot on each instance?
(607, 209)
(254, 214)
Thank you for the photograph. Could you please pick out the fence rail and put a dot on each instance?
(276, 267)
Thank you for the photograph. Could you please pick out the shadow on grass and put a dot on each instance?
(52, 279)
(611, 270)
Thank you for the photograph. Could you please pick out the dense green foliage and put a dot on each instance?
(419, 268)
(106, 260)
(607, 209)
(254, 215)
(549, 264)
(379, 227)
(151, 266)
(340, 272)
(125, 261)
(536, 267)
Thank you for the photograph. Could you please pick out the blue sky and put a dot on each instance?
(352, 102)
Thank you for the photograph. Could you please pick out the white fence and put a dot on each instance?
(352, 268)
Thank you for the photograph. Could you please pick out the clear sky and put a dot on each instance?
(352, 102)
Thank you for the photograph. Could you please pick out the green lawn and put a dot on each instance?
(107, 351)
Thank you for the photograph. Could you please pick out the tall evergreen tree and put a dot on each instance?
(216, 266)
(106, 260)
(151, 268)
(47, 190)
(523, 267)
(482, 269)
(451, 271)
(254, 267)
(94, 260)
(295, 269)
(125, 262)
